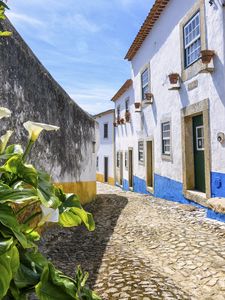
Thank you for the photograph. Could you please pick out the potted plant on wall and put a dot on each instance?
(148, 98)
(122, 121)
(174, 77)
(137, 105)
(115, 124)
(206, 56)
(127, 116)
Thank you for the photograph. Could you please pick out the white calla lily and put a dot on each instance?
(49, 214)
(4, 140)
(4, 112)
(34, 129)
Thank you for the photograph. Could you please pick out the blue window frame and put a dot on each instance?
(145, 83)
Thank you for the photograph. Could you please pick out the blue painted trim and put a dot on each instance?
(215, 216)
(169, 189)
(140, 186)
(218, 184)
(125, 185)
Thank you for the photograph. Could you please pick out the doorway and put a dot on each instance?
(106, 169)
(149, 164)
(121, 168)
(196, 151)
(199, 153)
(130, 168)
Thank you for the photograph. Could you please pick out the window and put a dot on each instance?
(126, 160)
(105, 130)
(192, 40)
(141, 151)
(144, 83)
(200, 138)
(118, 112)
(93, 147)
(166, 138)
(97, 162)
(127, 105)
(118, 159)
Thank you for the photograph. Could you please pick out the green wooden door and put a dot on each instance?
(199, 153)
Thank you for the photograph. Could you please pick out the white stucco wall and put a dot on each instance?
(106, 145)
(162, 50)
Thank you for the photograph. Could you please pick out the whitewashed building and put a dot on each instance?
(105, 154)
(173, 144)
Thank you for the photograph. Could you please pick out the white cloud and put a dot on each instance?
(82, 23)
(24, 19)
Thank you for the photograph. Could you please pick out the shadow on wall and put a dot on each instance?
(68, 248)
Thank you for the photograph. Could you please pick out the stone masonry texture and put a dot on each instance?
(144, 248)
(28, 89)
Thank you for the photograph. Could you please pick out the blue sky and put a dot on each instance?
(82, 43)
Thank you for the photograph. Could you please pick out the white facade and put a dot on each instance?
(201, 93)
(105, 154)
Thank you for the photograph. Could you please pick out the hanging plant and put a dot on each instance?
(3, 7)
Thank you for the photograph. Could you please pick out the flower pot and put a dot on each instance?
(118, 121)
(149, 97)
(127, 116)
(207, 55)
(137, 105)
(115, 124)
(122, 121)
(174, 77)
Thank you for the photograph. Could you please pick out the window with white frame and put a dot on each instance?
(105, 130)
(127, 105)
(145, 83)
(192, 40)
(118, 159)
(166, 143)
(141, 151)
(126, 160)
(118, 112)
(97, 162)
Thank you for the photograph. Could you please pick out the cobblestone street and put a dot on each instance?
(144, 248)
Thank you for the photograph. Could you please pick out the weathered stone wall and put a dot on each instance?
(31, 93)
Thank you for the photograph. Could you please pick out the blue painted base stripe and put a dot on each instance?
(169, 189)
(218, 184)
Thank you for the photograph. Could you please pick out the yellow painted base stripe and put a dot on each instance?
(100, 178)
(85, 190)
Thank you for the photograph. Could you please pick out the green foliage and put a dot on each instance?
(23, 268)
(3, 7)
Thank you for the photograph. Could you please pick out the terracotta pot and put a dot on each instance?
(137, 105)
(207, 55)
(148, 96)
(127, 116)
(173, 77)
(122, 121)
(118, 121)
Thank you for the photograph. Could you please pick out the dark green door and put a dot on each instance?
(199, 153)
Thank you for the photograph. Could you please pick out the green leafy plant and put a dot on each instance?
(3, 7)
(29, 200)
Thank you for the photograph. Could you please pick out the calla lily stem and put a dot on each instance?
(28, 149)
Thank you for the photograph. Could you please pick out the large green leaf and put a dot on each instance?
(72, 214)
(26, 277)
(16, 166)
(9, 263)
(46, 191)
(17, 195)
(54, 287)
(8, 219)
(5, 244)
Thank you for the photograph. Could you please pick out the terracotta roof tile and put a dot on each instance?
(123, 89)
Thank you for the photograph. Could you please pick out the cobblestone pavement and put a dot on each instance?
(144, 248)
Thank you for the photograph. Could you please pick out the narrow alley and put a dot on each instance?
(144, 248)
